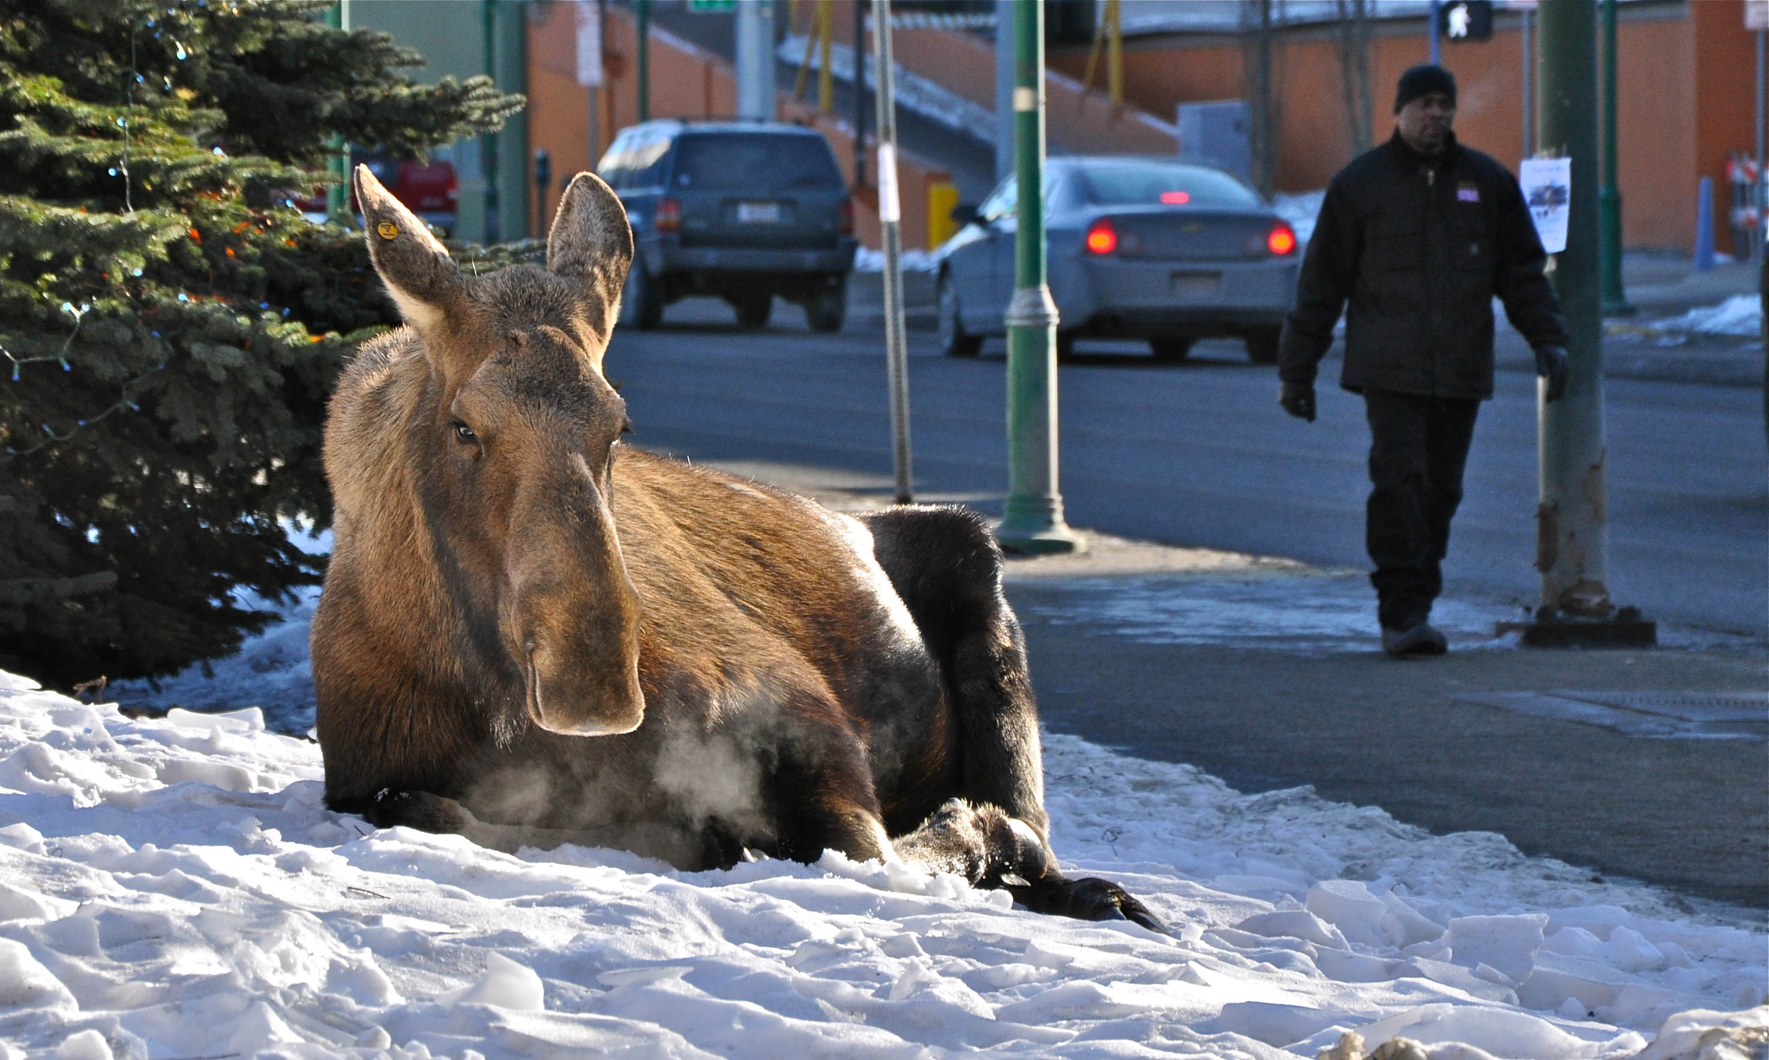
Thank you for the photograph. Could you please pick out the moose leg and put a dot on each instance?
(945, 565)
(990, 849)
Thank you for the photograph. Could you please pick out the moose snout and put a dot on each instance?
(564, 698)
(571, 622)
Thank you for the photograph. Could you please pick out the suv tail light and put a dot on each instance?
(1102, 238)
(1282, 239)
(844, 218)
(669, 215)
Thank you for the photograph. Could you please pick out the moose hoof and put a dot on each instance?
(1088, 898)
(418, 809)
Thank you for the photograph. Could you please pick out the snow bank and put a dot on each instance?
(174, 887)
(1740, 315)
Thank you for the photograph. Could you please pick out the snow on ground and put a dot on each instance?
(173, 887)
(1740, 315)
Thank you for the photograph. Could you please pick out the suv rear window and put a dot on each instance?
(1154, 183)
(759, 163)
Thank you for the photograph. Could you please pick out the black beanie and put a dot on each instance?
(1423, 80)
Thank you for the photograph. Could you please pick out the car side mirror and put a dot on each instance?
(965, 213)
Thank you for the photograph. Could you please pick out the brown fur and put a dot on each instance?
(532, 634)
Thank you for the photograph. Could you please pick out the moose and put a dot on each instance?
(532, 633)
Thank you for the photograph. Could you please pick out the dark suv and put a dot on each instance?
(741, 210)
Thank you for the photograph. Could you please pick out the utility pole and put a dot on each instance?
(1436, 43)
(338, 192)
(1572, 532)
(1032, 518)
(755, 60)
(890, 217)
(1004, 121)
(1615, 299)
(642, 11)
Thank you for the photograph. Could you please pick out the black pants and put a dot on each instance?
(1418, 446)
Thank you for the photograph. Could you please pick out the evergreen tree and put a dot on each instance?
(170, 325)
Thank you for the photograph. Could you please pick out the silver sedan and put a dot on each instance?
(1140, 248)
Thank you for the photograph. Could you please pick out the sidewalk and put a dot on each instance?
(1265, 672)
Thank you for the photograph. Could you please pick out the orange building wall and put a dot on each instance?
(686, 82)
(1725, 104)
(1661, 91)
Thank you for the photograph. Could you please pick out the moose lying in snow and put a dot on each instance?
(531, 634)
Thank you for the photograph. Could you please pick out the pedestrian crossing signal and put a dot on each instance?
(1465, 20)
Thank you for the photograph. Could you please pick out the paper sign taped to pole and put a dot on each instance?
(1756, 14)
(1547, 188)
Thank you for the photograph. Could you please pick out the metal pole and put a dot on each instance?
(890, 217)
(1529, 134)
(859, 94)
(642, 9)
(1572, 543)
(1032, 518)
(1436, 44)
(1615, 299)
(1004, 120)
(338, 193)
(755, 60)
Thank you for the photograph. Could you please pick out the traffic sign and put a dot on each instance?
(1466, 20)
(711, 7)
(1756, 14)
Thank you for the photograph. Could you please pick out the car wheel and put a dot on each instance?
(641, 302)
(1262, 345)
(1171, 349)
(753, 310)
(953, 340)
(827, 308)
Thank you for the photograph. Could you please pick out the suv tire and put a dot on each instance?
(953, 340)
(826, 309)
(641, 303)
(1262, 345)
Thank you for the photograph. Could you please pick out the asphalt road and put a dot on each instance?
(1199, 454)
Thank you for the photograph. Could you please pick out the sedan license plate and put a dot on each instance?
(758, 213)
(1197, 286)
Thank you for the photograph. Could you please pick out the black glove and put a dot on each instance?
(1551, 365)
(1298, 400)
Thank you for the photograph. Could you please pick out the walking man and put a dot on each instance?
(1418, 236)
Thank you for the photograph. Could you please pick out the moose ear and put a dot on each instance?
(418, 272)
(591, 241)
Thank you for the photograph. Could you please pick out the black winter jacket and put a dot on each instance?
(1419, 246)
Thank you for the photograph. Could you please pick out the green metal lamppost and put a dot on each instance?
(1572, 525)
(1032, 519)
(1615, 299)
(338, 163)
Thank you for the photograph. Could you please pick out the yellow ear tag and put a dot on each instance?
(387, 230)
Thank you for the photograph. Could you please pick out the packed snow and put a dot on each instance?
(174, 887)
(1741, 315)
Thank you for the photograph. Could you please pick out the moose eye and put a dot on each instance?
(465, 433)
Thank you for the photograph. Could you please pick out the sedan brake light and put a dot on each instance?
(669, 215)
(1282, 239)
(1102, 238)
(844, 218)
